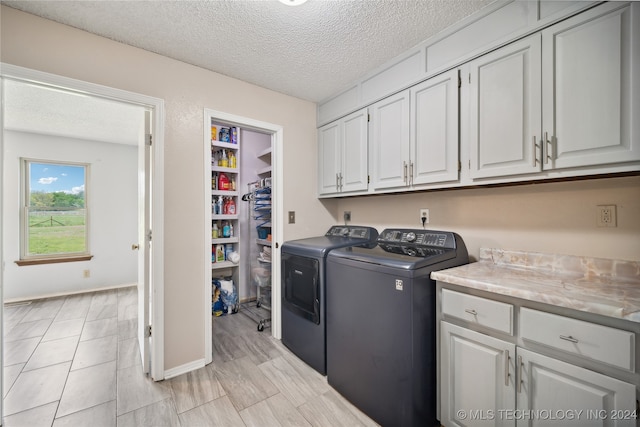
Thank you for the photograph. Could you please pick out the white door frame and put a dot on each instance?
(157, 208)
(277, 207)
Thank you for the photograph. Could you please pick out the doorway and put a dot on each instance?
(275, 133)
(153, 357)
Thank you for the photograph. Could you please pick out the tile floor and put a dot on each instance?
(73, 361)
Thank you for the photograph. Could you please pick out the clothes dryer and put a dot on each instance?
(303, 289)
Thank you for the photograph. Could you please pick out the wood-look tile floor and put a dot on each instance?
(74, 361)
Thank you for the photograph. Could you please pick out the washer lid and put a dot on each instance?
(379, 257)
(336, 237)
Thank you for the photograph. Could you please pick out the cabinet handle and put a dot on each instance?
(506, 368)
(520, 374)
(404, 165)
(569, 338)
(341, 181)
(535, 152)
(549, 144)
(471, 311)
(337, 182)
(411, 173)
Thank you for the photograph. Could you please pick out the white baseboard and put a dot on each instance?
(64, 294)
(183, 369)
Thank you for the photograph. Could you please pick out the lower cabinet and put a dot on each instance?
(486, 381)
(476, 379)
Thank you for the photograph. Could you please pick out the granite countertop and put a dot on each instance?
(595, 285)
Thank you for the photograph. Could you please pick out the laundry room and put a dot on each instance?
(418, 216)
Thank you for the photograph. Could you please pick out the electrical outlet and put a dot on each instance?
(606, 216)
(86, 274)
(424, 216)
(347, 216)
(292, 217)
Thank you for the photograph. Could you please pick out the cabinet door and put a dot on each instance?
(551, 389)
(477, 378)
(354, 175)
(434, 130)
(329, 157)
(390, 141)
(591, 94)
(505, 110)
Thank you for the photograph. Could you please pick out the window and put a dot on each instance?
(54, 221)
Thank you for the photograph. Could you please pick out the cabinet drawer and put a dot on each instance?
(485, 312)
(609, 345)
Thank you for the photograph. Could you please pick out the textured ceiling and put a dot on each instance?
(310, 51)
(51, 111)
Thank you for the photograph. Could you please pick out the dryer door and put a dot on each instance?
(301, 286)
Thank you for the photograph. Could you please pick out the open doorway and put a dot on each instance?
(135, 107)
(253, 130)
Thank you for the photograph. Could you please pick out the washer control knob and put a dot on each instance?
(411, 236)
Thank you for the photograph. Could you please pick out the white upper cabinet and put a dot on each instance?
(329, 158)
(505, 110)
(434, 130)
(342, 154)
(589, 96)
(414, 136)
(561, 99)
(390, 141)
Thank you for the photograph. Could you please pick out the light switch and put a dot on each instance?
(292, 217)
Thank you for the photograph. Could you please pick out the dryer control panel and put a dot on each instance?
(354, 231)
(416, 242)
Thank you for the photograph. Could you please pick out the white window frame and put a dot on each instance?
(25, 176)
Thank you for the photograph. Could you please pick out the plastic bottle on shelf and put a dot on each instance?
(231, 209)
(230, 230)
(224, 160)
(226, 231)
(233, 163)
(219, 253)
(234, 135)
(223, 181)
(214, 231)
(219, 205)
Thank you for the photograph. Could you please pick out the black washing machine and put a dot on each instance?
(303, 289)
(381, 347)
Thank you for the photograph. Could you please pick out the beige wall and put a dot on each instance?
(44, 45)
(545, 217)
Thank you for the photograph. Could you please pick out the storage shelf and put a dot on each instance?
(264, 170)
(265, 152)
(224, 193)
(263, 242)
(216, 143)
(218, 217)
(223, 264)
(215, 168)
(225, 240)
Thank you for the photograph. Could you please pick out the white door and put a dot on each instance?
(563, 390)
(329, 167)
(434, 129)
(354, 173)
(591, 89)
(144, 241)
(477, 378)
(390, 141)
(505, 110)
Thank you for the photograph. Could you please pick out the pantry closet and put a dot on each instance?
(240, 213)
